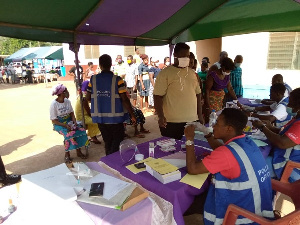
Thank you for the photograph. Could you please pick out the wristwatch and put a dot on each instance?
(189, 143)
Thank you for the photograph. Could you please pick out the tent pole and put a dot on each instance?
(171, 47)
(46, 79)
(78, 82)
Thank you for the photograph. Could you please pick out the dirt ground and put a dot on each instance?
(27, 140)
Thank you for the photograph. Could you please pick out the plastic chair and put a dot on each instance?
(283, 186)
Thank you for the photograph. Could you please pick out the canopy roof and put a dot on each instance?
(59, 54)
(142, 22)
(42, 52)
(35, 53)
(18, 55)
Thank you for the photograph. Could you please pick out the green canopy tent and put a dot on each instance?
(141, 22)
(58, 54)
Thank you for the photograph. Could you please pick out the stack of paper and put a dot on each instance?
(115, 191)
(163, 171)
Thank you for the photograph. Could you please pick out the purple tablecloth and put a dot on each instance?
(245, 101)
(138, 214)
(179, 194)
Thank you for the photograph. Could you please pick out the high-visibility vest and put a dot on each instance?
(106, 104)
(251, 190)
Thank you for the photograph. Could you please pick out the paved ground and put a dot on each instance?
(27, 140)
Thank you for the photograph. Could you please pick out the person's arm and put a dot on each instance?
(232, 93)
(158, 105)
(193, 166)
(214, 143)
(141, 81)
(199, 109)
(270, 118)
(279, 141)
(88, 96)
(209, 85)
(151, 77)
(263, 108)
(56, 122)
(127, 104)
(86, 106)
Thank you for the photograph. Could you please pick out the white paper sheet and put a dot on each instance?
(53, 180)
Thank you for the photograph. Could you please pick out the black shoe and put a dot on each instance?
(10, 179)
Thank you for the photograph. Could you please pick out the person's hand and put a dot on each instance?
(162, 122)
(134, 88)
(189, 132)
(257, 123)
(267, 123)
(247, 108)
(143, 87)
(239, 104)
(68, 127)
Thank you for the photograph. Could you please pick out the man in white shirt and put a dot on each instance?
(120, 68)
(131, 78)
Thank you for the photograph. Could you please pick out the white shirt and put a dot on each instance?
(60, 109)
(218, 65)
(279, 110)
(131, 72)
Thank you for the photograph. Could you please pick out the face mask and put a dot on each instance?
(167, 63)
(237, 64)
(129, 61)
(226, 74)
(184, 62)
(289, 111)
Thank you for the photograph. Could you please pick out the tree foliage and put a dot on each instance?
(9, 46)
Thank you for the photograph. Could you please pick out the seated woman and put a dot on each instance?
(64, 122)
(216, 82)
(286, 141)
(92, 128)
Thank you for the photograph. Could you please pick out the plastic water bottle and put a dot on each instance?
(212, 118)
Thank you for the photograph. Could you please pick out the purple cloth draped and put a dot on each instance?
(179, 194)
(219, 84)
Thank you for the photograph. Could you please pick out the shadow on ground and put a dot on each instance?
(8, 148)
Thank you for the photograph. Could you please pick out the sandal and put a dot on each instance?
(68, 160)
(139, 135)
(81, 155)
(145, 131)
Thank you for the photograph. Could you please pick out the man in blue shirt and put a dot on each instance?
(236, 76)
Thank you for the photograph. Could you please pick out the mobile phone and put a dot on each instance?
(140, 165)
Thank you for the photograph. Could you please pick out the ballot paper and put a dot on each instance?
(53, 180)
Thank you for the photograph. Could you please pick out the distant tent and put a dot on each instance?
(42, 52)
(56, 55)
(18, 55)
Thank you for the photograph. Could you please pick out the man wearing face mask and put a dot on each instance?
(236, 76)
(120, 68)
(286, 141)
(177, 98)
(217, 65)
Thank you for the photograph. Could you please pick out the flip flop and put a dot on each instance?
(145, 131)
(139, 135)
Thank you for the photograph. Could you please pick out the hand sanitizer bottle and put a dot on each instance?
(151, 149)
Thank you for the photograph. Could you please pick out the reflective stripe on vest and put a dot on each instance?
(217, 221)
(112, 98)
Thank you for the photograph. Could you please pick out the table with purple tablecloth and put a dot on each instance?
(180, 195)
(246, 101)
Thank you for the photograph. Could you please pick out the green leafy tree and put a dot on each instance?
(9, 46)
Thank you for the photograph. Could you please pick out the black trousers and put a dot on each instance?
(2, 169)
(112, 135)
(173, 130)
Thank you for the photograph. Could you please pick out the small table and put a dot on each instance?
(180, 195)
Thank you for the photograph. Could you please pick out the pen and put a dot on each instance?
(78, 175)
